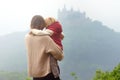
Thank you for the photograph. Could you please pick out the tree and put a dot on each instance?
(112, 75)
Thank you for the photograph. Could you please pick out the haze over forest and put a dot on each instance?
(88, 45)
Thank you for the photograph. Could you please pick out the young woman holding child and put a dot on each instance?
(42, 51)
(54, 30)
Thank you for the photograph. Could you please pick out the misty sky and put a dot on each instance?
(15, 15)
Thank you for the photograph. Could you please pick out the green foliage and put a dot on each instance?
(113, 75)
(28, 78)
(73, 74)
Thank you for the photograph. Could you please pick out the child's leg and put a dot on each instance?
(54, 66)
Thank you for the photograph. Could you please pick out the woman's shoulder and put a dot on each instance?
(27, 35)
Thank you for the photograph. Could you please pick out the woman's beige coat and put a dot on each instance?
(38, 50)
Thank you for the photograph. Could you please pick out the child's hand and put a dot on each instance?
(62, 35)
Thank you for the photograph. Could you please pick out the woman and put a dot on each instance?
(39, 49)
(54, 30)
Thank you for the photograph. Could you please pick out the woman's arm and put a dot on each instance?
(42, 32)
(54, 50)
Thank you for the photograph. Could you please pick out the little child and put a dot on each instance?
(54, 30)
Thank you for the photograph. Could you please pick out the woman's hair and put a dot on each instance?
(37, 22)
(49, 21)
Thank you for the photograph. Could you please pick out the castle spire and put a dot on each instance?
(64, 9)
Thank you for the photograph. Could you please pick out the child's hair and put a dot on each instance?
(49, 21)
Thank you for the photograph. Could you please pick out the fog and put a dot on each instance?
(15, 15)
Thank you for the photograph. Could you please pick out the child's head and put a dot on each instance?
(49, 21)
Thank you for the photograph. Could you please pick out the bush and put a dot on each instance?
(112, 75)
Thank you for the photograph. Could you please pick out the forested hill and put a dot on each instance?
(88, 45)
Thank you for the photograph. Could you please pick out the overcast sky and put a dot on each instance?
(15, 15)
